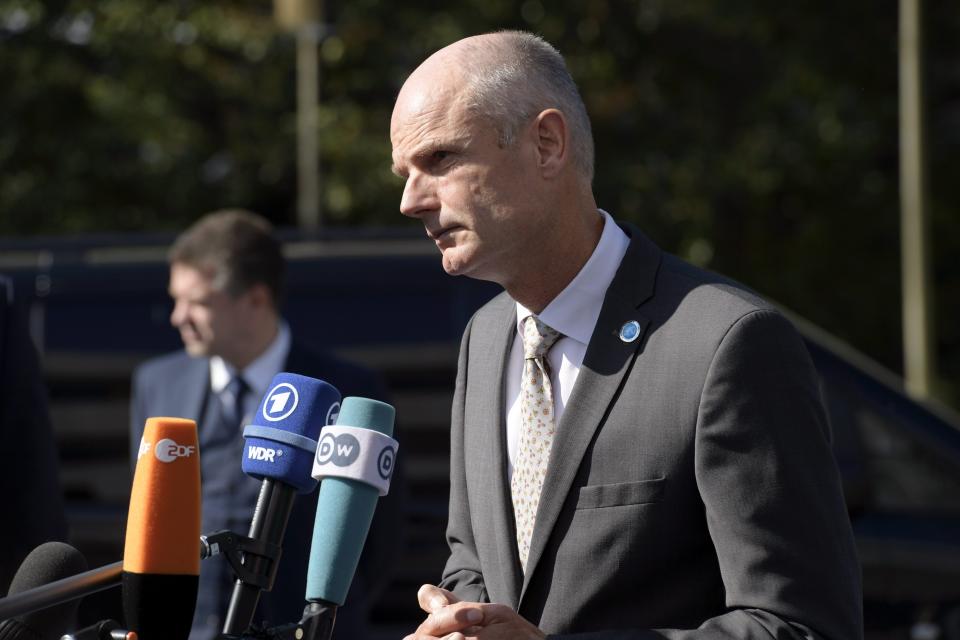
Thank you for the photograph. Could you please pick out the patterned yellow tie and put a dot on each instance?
(537, 427)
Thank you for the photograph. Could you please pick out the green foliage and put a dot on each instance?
(128, 115)
(757, 139)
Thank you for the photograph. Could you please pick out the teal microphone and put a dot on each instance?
(354, 462)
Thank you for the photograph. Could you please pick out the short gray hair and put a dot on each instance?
(517, 78)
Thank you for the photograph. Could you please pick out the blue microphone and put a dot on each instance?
(282, 437)
(279, 448)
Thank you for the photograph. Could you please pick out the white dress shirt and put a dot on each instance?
(257, 375)
(574, 314)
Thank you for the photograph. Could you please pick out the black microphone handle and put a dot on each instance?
(269, 525)
(316, 624)
(48, 595)
(103, 630)
(318, 620)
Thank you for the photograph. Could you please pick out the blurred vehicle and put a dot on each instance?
(99, 306)
(900, 462)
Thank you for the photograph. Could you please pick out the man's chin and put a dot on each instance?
(196, 349)
(451, 270)
(454, 268)
(456, 263)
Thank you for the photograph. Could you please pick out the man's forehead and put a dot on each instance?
(443, 77)
(421, 100)
(189, 277)
(424, 119)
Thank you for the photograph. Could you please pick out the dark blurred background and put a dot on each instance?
(756, 139)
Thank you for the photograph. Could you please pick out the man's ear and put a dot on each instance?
(553, 142)
(259, 295)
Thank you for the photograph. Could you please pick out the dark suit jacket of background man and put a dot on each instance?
(29, 476)
(690, 482)
(177, 385)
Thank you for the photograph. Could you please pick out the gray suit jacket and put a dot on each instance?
(691, 490)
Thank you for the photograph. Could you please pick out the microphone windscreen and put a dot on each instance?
(161, 557)
(282, 437)
(49, 562)
(344, 512)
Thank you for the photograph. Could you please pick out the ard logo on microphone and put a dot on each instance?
(280, 402)
(333, 413)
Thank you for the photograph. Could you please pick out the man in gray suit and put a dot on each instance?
(638, 447)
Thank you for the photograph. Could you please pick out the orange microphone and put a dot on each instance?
(161, 557)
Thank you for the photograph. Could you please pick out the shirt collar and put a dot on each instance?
(261, 371)
(575, 310)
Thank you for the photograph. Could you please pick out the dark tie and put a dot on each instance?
(228, 414)
(232, 400)
(224, 499)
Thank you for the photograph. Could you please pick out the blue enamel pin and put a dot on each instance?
(630, 331)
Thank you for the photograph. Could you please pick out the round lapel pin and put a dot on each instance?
(630, 331)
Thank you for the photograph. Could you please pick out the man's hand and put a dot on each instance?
(433, 598)
(452, 619)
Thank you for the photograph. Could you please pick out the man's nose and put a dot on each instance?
(178, 314)
(419, 195)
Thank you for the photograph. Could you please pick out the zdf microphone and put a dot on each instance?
(161, 559)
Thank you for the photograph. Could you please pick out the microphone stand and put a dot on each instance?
(254, 561)
(316, 624)
(254, 558)
(318, 619)
(48, 595)
(103, 630)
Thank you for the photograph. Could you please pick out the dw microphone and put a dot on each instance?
(355, 460)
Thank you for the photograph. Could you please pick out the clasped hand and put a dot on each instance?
(452, 619)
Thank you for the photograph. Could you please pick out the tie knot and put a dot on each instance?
(236, 390)
(537, 337)
(237, 386)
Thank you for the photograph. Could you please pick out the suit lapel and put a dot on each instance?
(506, 529)
(606, 362)
(494, 447)
(192, 387)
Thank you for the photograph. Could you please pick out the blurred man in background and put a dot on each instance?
(226, 281)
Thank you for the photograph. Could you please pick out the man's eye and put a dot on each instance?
(440, 155)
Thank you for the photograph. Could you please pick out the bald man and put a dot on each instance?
(638, 447)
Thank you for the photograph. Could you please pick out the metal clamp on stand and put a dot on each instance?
(237, 548)
(103, 630)
(316, 624)
(317, 621)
